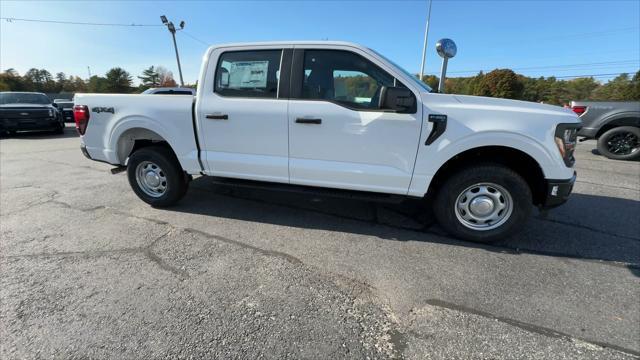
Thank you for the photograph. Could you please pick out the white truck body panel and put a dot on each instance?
(357, 150)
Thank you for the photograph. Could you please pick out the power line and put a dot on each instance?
(11, 19)
(587, 76)
(593, 64)
(195, 38)
(569, 36)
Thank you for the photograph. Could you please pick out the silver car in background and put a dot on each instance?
(170, 91)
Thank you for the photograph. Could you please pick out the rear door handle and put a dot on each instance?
(308, 121)
(217, 116)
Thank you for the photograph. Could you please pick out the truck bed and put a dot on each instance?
(168, 116)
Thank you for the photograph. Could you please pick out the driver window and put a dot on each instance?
(343, 77)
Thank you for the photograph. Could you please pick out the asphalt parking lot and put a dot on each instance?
(90, 271)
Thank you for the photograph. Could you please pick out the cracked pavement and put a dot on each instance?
(90, 271)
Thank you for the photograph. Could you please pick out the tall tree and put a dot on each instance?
(39, 80)
(97, 84)
(150, 77)
(10, 80)
(166, 77)
(76, 84)
(61, 82)
(118, 81)
(503, 83)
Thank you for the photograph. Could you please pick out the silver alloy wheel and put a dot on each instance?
(484, 206)
(151, 179)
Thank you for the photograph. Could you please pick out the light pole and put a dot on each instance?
(424, 48)
(172, 30)
(447, 49)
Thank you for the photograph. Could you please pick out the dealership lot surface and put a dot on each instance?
(88, 270)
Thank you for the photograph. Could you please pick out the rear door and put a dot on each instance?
(242, 113)
(338, 136)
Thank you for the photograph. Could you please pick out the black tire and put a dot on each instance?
(446, 200)
(59, 129)
(620, 143)
(175, 178)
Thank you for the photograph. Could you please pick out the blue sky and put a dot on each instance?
(532, 37)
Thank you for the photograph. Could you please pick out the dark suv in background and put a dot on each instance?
(28, 111)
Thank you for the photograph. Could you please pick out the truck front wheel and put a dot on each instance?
(620, 143)
(156, 177)
(483, 203)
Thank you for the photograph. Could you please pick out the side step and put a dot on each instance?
(310, 190)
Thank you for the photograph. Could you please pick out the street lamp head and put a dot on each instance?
(181, 25)
(446, 48)
(164, 19)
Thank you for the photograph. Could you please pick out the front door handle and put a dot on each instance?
(217, 116)
(308, 121)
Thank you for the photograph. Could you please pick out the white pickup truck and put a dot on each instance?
(341, 119)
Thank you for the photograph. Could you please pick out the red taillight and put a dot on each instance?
(81, 116)
(579, 109)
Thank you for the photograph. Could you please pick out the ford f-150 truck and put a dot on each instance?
(614, 124)
(28, 111)
(338, 118)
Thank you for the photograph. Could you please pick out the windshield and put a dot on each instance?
(23, 98)
(409, 75)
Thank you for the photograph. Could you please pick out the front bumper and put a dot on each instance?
(558, 192)
(67, 115)
(589, 133)
(29, 124)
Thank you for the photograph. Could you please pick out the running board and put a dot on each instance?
(310, 190)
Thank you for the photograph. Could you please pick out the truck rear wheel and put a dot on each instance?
(155, 175)
(483, 203)
(620, 143)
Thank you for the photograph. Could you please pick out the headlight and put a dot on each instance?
(50, 112)
(565, 138)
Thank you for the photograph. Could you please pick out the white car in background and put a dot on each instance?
(339, 119)
(170, 91)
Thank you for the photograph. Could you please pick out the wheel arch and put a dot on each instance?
(625, 119)
(517, 160)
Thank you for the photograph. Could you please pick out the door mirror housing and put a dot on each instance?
(398, 99)
(55, 105)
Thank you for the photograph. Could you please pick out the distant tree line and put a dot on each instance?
(116, 80)
(503, 83)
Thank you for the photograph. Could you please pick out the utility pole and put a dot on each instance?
(426, 35)
(89, 71)
(172, 29)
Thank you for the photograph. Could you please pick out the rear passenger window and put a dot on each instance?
(248, 74)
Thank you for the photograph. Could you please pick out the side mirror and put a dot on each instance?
(399, 99)
(55, 105)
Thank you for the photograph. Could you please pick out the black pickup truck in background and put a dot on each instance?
(65, 107)
(614, 124)
(21, 111)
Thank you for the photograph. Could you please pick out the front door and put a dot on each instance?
(338, 135)
(243, 116)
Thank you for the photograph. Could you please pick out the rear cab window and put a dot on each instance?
(251, 73)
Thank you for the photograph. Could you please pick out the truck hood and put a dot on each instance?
(487, 104)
